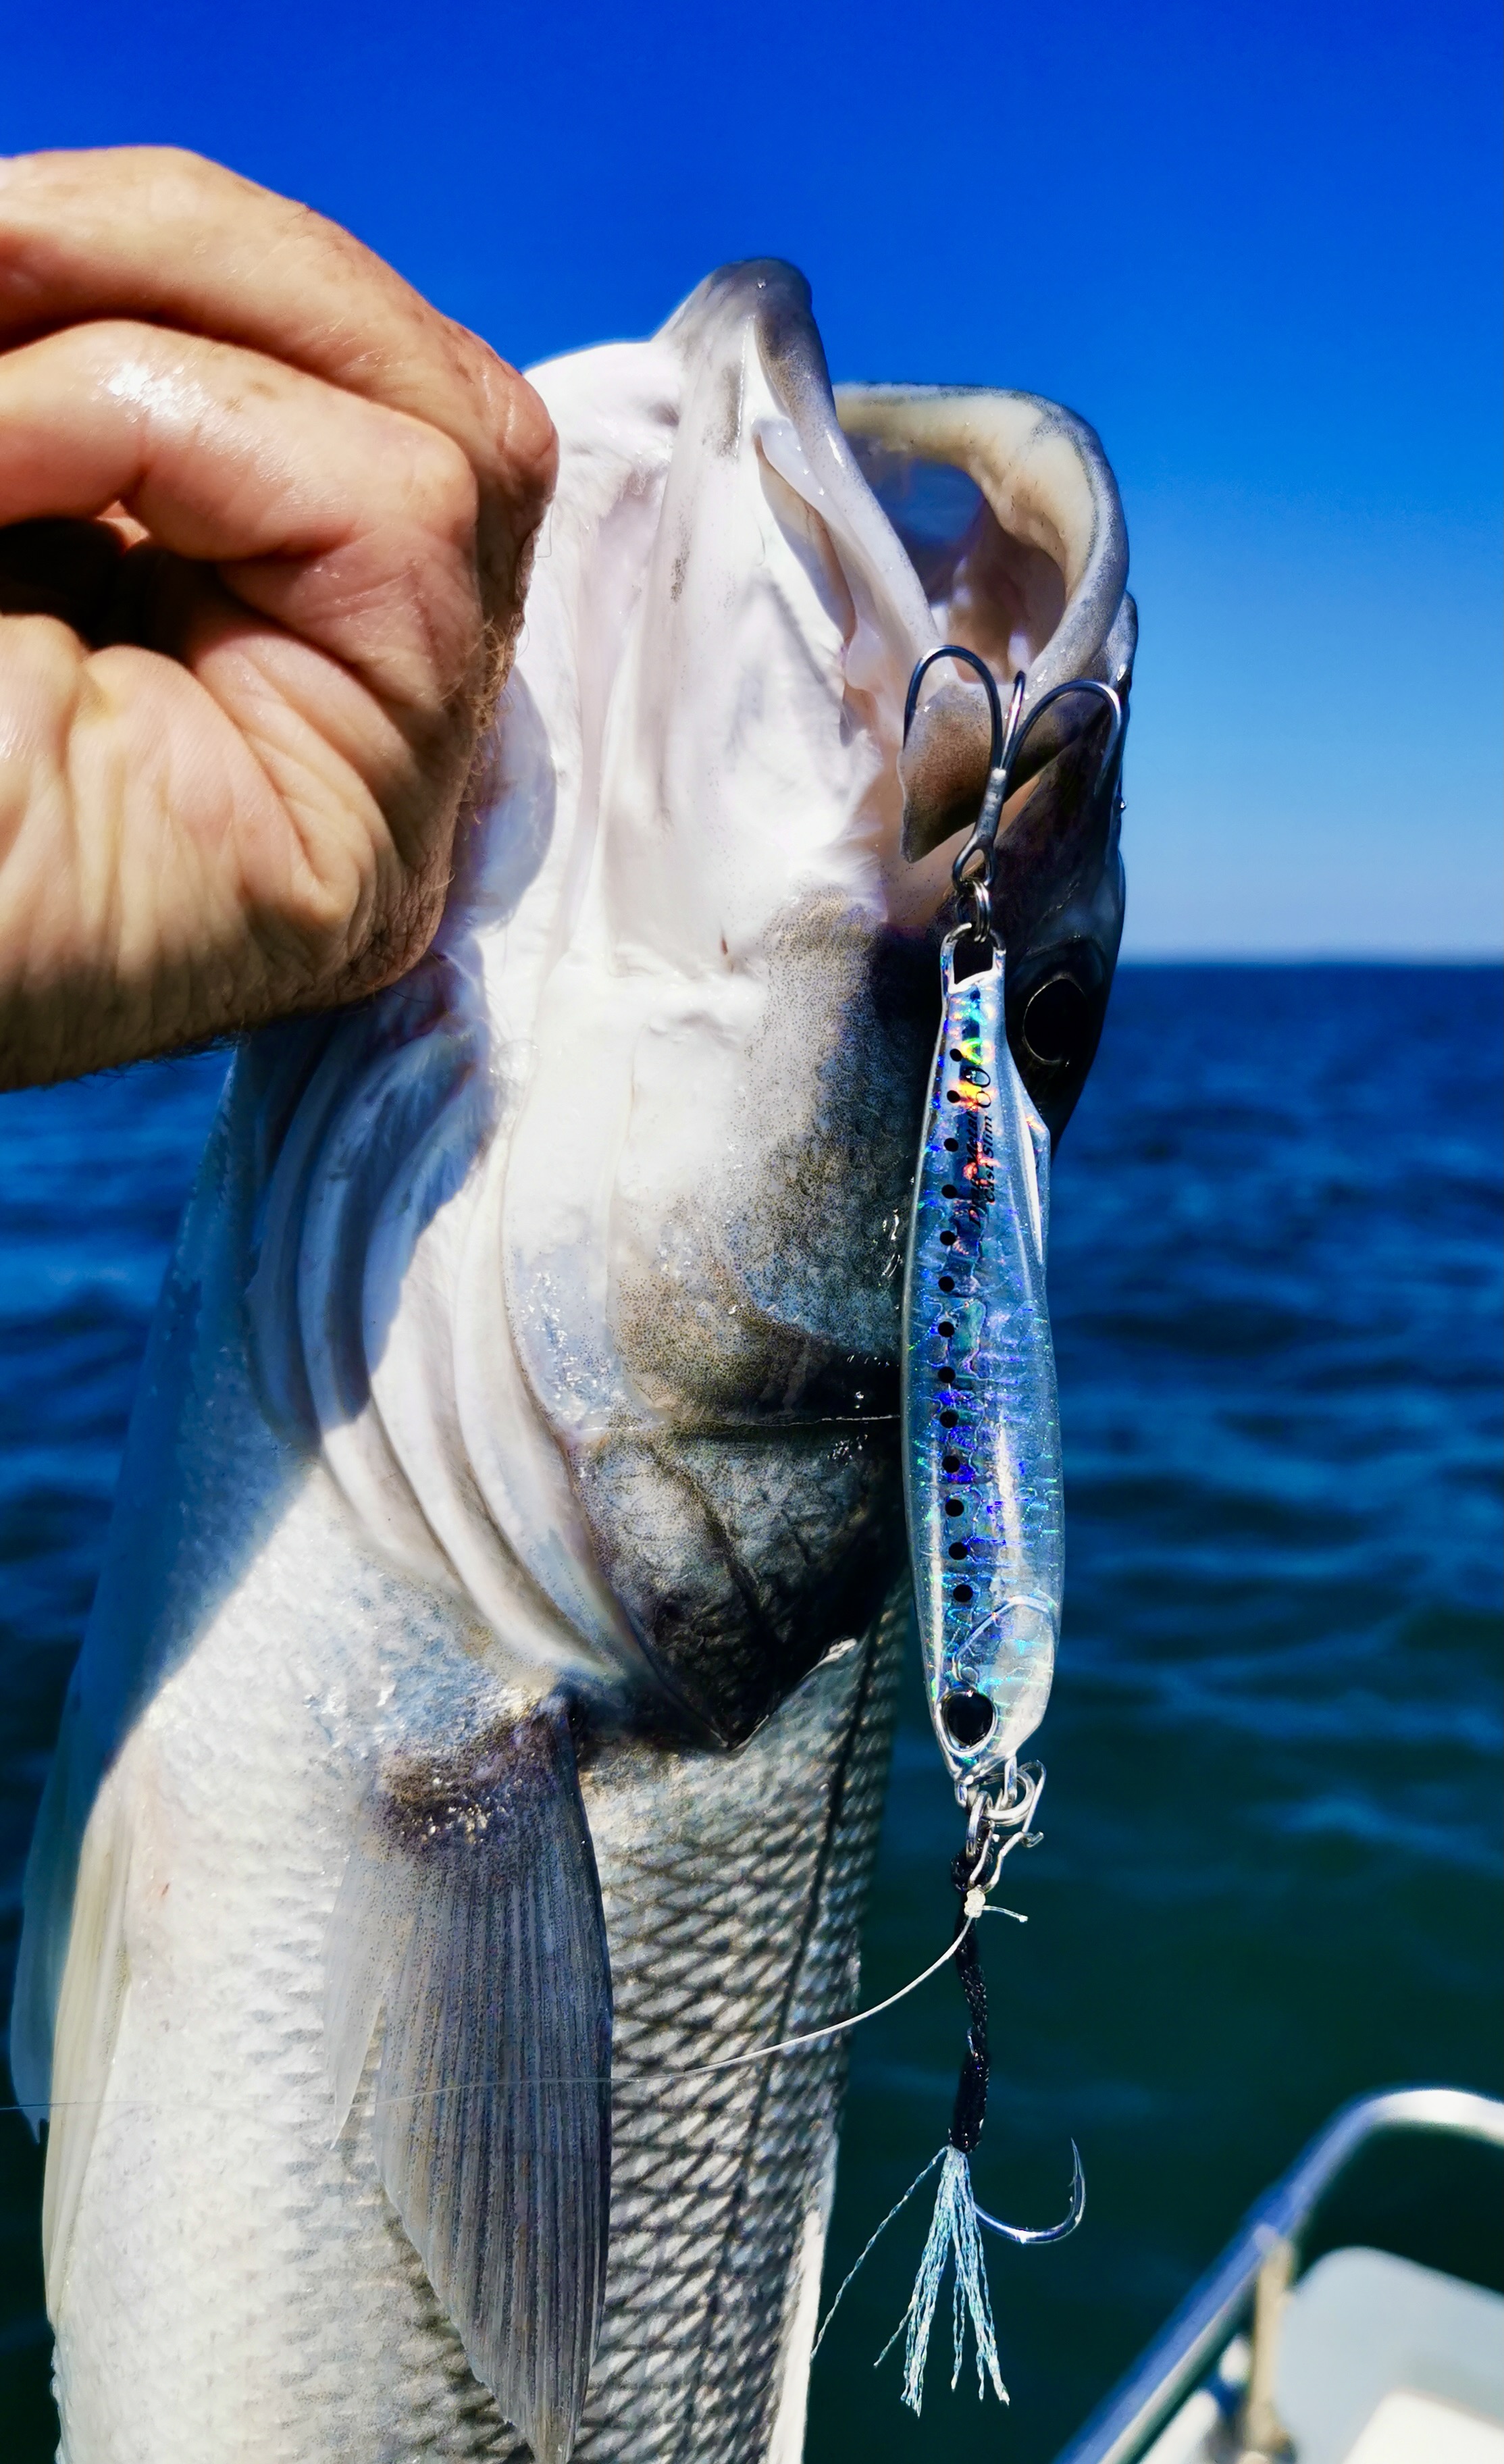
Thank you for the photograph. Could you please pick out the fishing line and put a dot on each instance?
(817, 2035)
(620, 2074)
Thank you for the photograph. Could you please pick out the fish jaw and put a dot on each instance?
(1030, 572)
(627, 1334)
(749, 975)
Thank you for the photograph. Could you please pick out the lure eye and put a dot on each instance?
(958, 1547)
(947, 1239)
(952, 1462)
(949, 1190)
(947, 1283)
(944, 1326)
(953, 1506)
(949, 1419)
(968, 1717)
(951, 1145)
(962, 1594)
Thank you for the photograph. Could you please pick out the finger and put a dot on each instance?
(151, 233)
(348, 524)
(156, 883)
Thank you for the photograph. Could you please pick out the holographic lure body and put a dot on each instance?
(982, 1457)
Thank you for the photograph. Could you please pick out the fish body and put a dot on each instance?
(982, 1457)
(482, 1720)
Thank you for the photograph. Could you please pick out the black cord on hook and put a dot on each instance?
(970, 2110)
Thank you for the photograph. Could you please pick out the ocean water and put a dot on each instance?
(1271, 1868)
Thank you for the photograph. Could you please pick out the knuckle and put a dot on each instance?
(361, 925)
(532, 438)
(442, 485)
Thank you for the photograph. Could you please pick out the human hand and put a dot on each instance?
(265, 518)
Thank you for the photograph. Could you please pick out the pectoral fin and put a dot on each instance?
(468, 1929)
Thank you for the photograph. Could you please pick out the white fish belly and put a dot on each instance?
(233, 2286)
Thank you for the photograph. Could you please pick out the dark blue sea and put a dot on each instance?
(1272, 1870)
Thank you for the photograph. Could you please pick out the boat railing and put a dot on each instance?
(1264, 2248)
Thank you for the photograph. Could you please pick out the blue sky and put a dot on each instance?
(1259, 248)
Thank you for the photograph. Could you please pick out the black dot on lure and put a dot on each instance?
(969, 1717)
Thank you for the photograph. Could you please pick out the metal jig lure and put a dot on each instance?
(982, 1446)
(982, 1472)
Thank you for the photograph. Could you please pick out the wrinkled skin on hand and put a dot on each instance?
(265, 523)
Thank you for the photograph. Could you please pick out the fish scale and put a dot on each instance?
(713, 2174)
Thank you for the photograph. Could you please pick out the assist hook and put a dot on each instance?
(1034, 2234)
(972, 869)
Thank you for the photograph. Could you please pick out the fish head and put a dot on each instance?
(630, 1317)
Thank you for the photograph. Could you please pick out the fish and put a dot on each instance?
(481, 1727)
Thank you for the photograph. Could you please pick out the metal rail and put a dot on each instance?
(1138, 2407)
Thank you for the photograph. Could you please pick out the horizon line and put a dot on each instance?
(1214, 957)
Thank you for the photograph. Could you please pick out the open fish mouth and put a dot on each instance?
(524, 1414)
(684, 1000)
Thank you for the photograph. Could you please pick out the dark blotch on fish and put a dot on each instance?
(496, 1789)
(741, 1560)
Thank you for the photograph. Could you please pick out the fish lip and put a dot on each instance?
(1059, 892)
